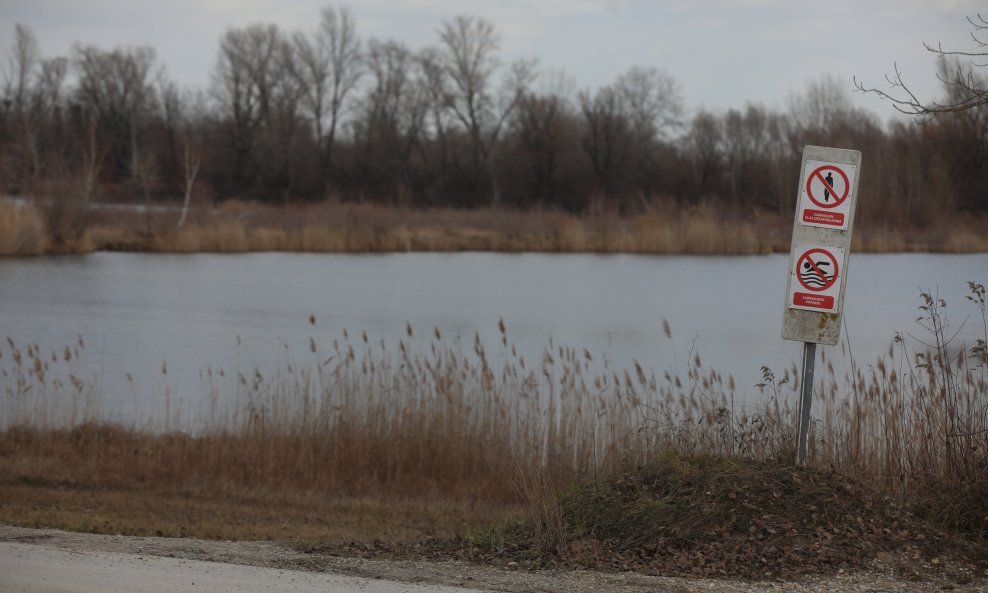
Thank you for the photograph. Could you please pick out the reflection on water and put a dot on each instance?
(160, 329)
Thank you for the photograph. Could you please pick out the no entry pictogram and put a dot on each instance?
(826, 185)
(827, 190)
(817, 274)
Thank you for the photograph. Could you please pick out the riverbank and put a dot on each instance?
(446, 452)
(236, 227)
(802, 530)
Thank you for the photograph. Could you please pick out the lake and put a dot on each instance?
(152, 324)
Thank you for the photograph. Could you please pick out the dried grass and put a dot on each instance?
(965, 241)
(427, 417)
(331, 227)
(22, 229)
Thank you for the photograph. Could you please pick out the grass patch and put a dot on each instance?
(272, 515)
(708, 515)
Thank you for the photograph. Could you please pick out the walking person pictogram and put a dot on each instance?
(824, 199)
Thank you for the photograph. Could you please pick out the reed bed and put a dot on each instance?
(331, 227)
(22, 229)
(358, 419)
(428, 416)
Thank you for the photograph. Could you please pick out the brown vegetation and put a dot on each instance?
(22, 230)
(286, 516)
(327, 227)
(427, 423)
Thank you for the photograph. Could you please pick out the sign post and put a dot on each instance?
(821, 242)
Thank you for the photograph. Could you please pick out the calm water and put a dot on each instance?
(139, 313)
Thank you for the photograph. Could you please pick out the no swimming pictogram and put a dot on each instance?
(818, 270)
(817, 278)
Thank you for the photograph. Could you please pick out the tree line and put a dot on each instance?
(310, 115)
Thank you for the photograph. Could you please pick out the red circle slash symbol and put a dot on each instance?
(817, 274)
(828, 187)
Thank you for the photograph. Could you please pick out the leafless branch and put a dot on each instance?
(965, 88)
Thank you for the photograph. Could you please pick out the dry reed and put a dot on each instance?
(428, 417)
(22, 229)
(332, 228)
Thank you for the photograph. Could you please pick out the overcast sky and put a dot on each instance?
(724, 53)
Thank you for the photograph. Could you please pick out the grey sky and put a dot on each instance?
(724, 53)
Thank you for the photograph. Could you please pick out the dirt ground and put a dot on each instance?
(232, 558)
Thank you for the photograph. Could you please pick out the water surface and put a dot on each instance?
(162, 319)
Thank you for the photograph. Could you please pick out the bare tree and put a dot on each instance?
(704, 145)
(254, 86)
(542, 124)
(394, 113)
(238, 98)
(470, 45)
(652, 101)
(21, 61)
(435, 83)
(967, 89)
(32, 89)
(50, 85)
(653, 106)
(470, 61)
(41, 132)
(20, 67)
(755, 149)
(607, 134)
(328, 66)
(146, 175)
(740, 133)
(191, 159)
(65, 214)
(186, 118)
(623, 126)
(825, 104)
(117, 86)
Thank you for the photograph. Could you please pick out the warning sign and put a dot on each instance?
(826, 194)
(825, 191)
(816, 281)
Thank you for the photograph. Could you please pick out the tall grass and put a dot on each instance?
(430, 416)
(356, 419)
(22, 229)
(239, 227)
(660, 228)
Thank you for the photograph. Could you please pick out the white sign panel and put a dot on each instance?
(816, 277)
(826, 196)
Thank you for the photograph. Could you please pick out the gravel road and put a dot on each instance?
(33, 568)
(48, 561)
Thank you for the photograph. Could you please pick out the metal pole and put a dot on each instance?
(806, 399)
